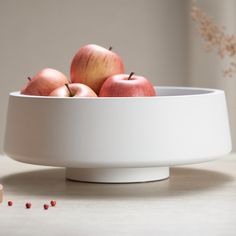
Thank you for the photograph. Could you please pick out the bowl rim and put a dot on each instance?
(202, 92)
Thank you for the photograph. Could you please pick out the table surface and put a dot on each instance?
(197, 199)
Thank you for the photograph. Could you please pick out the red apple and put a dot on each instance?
(44, 82)
(123, 85)
(93, 64)
(73, 90)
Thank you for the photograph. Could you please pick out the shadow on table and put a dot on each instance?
(51, 182)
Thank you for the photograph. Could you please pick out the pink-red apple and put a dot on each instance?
(93, 64)
(73, 90)
(123, 85)
(44, 82)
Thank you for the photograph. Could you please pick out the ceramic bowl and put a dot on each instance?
(126, 139)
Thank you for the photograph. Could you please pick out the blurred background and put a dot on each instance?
(155, 38)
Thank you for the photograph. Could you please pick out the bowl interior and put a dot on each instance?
(172, 91)
(161, 91)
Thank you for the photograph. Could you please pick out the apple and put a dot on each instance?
(73, 90)
(44, 82)
(123, 85)
(93, 64)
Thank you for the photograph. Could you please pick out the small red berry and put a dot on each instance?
(28, 205)
(53, 203)
(46, 206)
(10, 203)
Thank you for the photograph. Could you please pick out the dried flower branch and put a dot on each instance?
(215, 38)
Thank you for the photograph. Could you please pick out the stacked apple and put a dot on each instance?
(95, 71)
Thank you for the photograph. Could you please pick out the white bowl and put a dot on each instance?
(119, 139)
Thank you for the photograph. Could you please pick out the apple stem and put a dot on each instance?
(29, 78)
(130, 75)
(67, 85)
(110, 48)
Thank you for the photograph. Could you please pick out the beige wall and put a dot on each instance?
(148, 34)
(205, 69)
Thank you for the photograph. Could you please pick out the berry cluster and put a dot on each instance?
(28, 205)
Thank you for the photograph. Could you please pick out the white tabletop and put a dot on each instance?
(196, 200)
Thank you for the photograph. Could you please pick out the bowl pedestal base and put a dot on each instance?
(117, 175)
